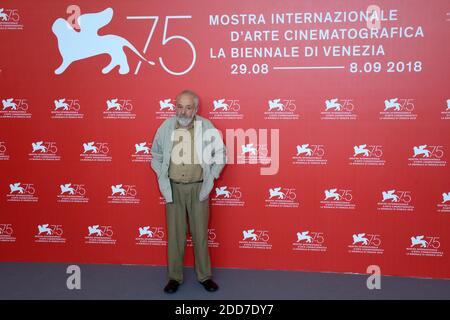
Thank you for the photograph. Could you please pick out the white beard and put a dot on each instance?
(184, 122)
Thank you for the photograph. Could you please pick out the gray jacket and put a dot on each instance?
(209, 146)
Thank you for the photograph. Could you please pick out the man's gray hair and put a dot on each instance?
(189, 92)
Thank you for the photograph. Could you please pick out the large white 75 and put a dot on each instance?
(166, 40)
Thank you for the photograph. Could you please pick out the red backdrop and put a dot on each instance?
(337, 209)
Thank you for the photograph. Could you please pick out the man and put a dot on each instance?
(188, 154)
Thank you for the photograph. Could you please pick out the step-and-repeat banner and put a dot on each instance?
(335, 114)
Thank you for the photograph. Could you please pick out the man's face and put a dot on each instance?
(185, 109)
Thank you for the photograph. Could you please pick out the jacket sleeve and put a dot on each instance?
(219, 155)
(157, 152)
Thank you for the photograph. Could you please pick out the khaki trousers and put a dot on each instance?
(186, 199)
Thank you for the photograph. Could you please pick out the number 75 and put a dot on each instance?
(166, 40)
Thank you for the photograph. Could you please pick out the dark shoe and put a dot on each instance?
(172, 286)
(210, 285)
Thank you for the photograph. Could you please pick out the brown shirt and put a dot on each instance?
(186, 168)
